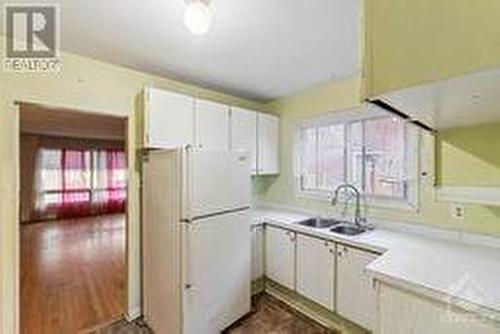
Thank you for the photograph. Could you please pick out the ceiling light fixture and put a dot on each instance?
(198, 17)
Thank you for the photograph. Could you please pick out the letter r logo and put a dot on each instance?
(31, 31)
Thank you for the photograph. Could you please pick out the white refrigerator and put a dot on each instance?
(196, 240)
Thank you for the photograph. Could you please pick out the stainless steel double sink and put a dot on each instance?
(335, 226)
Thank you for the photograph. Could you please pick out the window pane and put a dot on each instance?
(385, 167)
(76, 168)
(331, 155)
(49, 166)
(308, 158)
(355, 154)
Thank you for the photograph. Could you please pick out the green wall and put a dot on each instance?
(456, 153)
(470, 156)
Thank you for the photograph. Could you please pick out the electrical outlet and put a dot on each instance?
(458, 211)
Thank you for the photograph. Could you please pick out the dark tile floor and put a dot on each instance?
(268, 315)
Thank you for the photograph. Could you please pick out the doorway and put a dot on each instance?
(73, 195)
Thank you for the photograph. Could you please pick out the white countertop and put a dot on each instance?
(463, 274)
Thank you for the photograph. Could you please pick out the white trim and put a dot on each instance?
(474, 195)
(133, 313)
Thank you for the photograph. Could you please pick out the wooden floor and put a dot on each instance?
(72, 274)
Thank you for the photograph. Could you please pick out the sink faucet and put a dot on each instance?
(358, 220)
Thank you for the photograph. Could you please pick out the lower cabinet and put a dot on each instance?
(280, 256)
(257, 252)
(330, 274)
(403, 312)
(316, 270)
(356, 297)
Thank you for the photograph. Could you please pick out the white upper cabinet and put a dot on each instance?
(212, 125)
(356, 298)
(168, 119)
(268, 144)
(316, 270)
(244, 133)
(174, 120)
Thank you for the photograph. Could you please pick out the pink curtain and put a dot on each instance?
(75, 195)
(114, 199)
(75, 183)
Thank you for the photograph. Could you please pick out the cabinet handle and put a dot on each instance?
(326, 243)
(339, 254)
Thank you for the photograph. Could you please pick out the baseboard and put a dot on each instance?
(133, 313)
(102, 326)
(312, 310)
(258, 286)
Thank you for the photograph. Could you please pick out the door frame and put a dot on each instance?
(130, 312)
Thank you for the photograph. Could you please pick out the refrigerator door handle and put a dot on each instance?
(186, 228)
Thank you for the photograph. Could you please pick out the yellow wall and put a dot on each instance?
(412, 42)
(280, 190)
(87, 85)
(469, 156)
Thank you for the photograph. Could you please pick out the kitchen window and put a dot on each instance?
(377, 153)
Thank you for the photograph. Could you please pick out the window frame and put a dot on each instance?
(412, 142)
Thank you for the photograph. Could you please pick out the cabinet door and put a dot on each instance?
(280, 256)
(212, 125)
(268, 144)
(403, 312)
(244, 133)
(355, 292)
(316, 270)
(169, 119)
(257, 252)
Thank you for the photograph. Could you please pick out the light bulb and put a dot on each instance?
(198, 17)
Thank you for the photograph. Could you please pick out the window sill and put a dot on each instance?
(373, 203)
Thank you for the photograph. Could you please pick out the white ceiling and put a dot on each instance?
(461, 101)
(261, 49)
